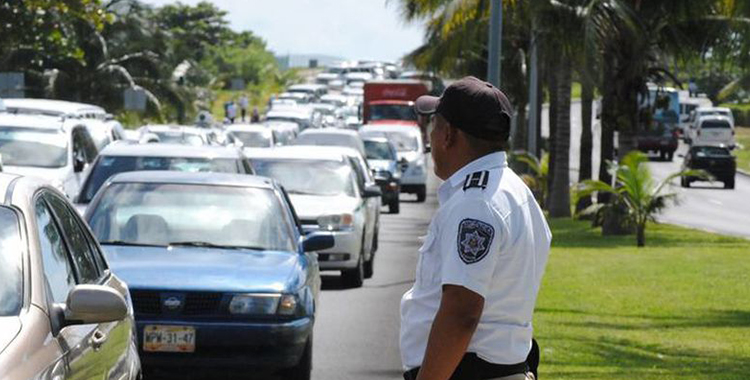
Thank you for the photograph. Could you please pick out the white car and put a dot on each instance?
(702, 112)
(299, 97)
(101, 125)
(303, 116)
(325, 189)
(714, 130)
(335, 100)
(285, 131)
(314, 90)
(47, 147)
(411, 155)
(251, 135)
(332, 137)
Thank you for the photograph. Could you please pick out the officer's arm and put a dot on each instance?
(452, 329)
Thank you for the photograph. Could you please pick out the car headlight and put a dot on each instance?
(263, 304)
(336, 222)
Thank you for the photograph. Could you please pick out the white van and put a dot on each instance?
(46, 147)
(103, 128)
(714, 130)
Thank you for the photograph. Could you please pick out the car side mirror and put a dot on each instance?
(372, 191)
(89, 304)
(427, 149)
(317, 242)
(78, 165)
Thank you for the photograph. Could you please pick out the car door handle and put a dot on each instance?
(98, 339)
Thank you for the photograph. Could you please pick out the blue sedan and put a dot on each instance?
(220, 274)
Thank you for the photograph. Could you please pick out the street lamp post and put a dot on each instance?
(495, 43)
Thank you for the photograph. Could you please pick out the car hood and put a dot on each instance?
(9, 328)
(383, 165)
(310, 207)
(48, 174)
(203, 269)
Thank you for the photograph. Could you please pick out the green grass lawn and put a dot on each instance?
(743, 154)
(677, 309)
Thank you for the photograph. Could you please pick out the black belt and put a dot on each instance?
(472, 367)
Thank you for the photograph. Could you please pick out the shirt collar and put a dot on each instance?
(486, 162)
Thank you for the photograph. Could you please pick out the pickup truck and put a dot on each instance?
(660, 138)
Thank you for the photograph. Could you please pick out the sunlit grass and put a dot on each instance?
(676, 309)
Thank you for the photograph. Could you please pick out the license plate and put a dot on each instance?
(168, 339)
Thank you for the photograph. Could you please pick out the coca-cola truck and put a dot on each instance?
(391, 101)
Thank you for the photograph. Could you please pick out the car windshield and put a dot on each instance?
(11, 274)
(199, 215)
(176, 137)
(711, 151)
(378, 150)
(107, 166)
(44, 148)
(402, 141)
(325, 139)
(253, 139)
(325, 178)
(715, 124)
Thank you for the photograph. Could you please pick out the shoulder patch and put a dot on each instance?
(477, 179)
(474, 240)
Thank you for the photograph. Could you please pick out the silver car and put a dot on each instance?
(63, 314)
(332, 193)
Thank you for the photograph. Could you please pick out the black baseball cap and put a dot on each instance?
(473, 106)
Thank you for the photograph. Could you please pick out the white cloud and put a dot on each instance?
(354, 29)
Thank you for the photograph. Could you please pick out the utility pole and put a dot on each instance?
(533, 92)
(495, 43)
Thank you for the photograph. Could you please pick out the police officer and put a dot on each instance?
(468, 315)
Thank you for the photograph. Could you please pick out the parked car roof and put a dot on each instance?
(52, 107)
(31, 121)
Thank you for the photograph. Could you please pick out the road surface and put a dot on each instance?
(706, 206)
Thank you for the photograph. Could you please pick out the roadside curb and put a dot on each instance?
(744, 173)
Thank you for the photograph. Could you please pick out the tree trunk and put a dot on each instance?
(552, 68)
(641, 234)
(585, 165)
(539, 107)
(609, 99)
(560, 190)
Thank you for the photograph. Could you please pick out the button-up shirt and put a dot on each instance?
(489, 235)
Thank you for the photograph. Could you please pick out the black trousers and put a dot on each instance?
(472, 367)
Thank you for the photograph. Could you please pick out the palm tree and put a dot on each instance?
(636, 190)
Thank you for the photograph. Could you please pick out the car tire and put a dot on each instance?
(729, 184)
(354, 278)
(670, 156)
(394, 207)
(684, 182)
(662, 155)
(421, 193)
(303, 369)
(369, 267)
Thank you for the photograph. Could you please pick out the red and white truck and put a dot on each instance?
(391, 101)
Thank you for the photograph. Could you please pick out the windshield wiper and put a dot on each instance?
(205, 244)
(129, 243)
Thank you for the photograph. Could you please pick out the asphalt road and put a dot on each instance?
(705, 205)
(356, 333)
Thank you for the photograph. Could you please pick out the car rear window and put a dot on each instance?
(108, 166)
(715, 124)
(11, 270)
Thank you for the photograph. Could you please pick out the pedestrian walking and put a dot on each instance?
(231, 112)
(244, 103)
(468, 315)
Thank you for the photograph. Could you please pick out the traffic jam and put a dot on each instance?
(147, 251)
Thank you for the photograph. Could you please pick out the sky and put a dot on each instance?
(350, 29)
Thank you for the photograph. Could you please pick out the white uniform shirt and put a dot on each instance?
(490, 236)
